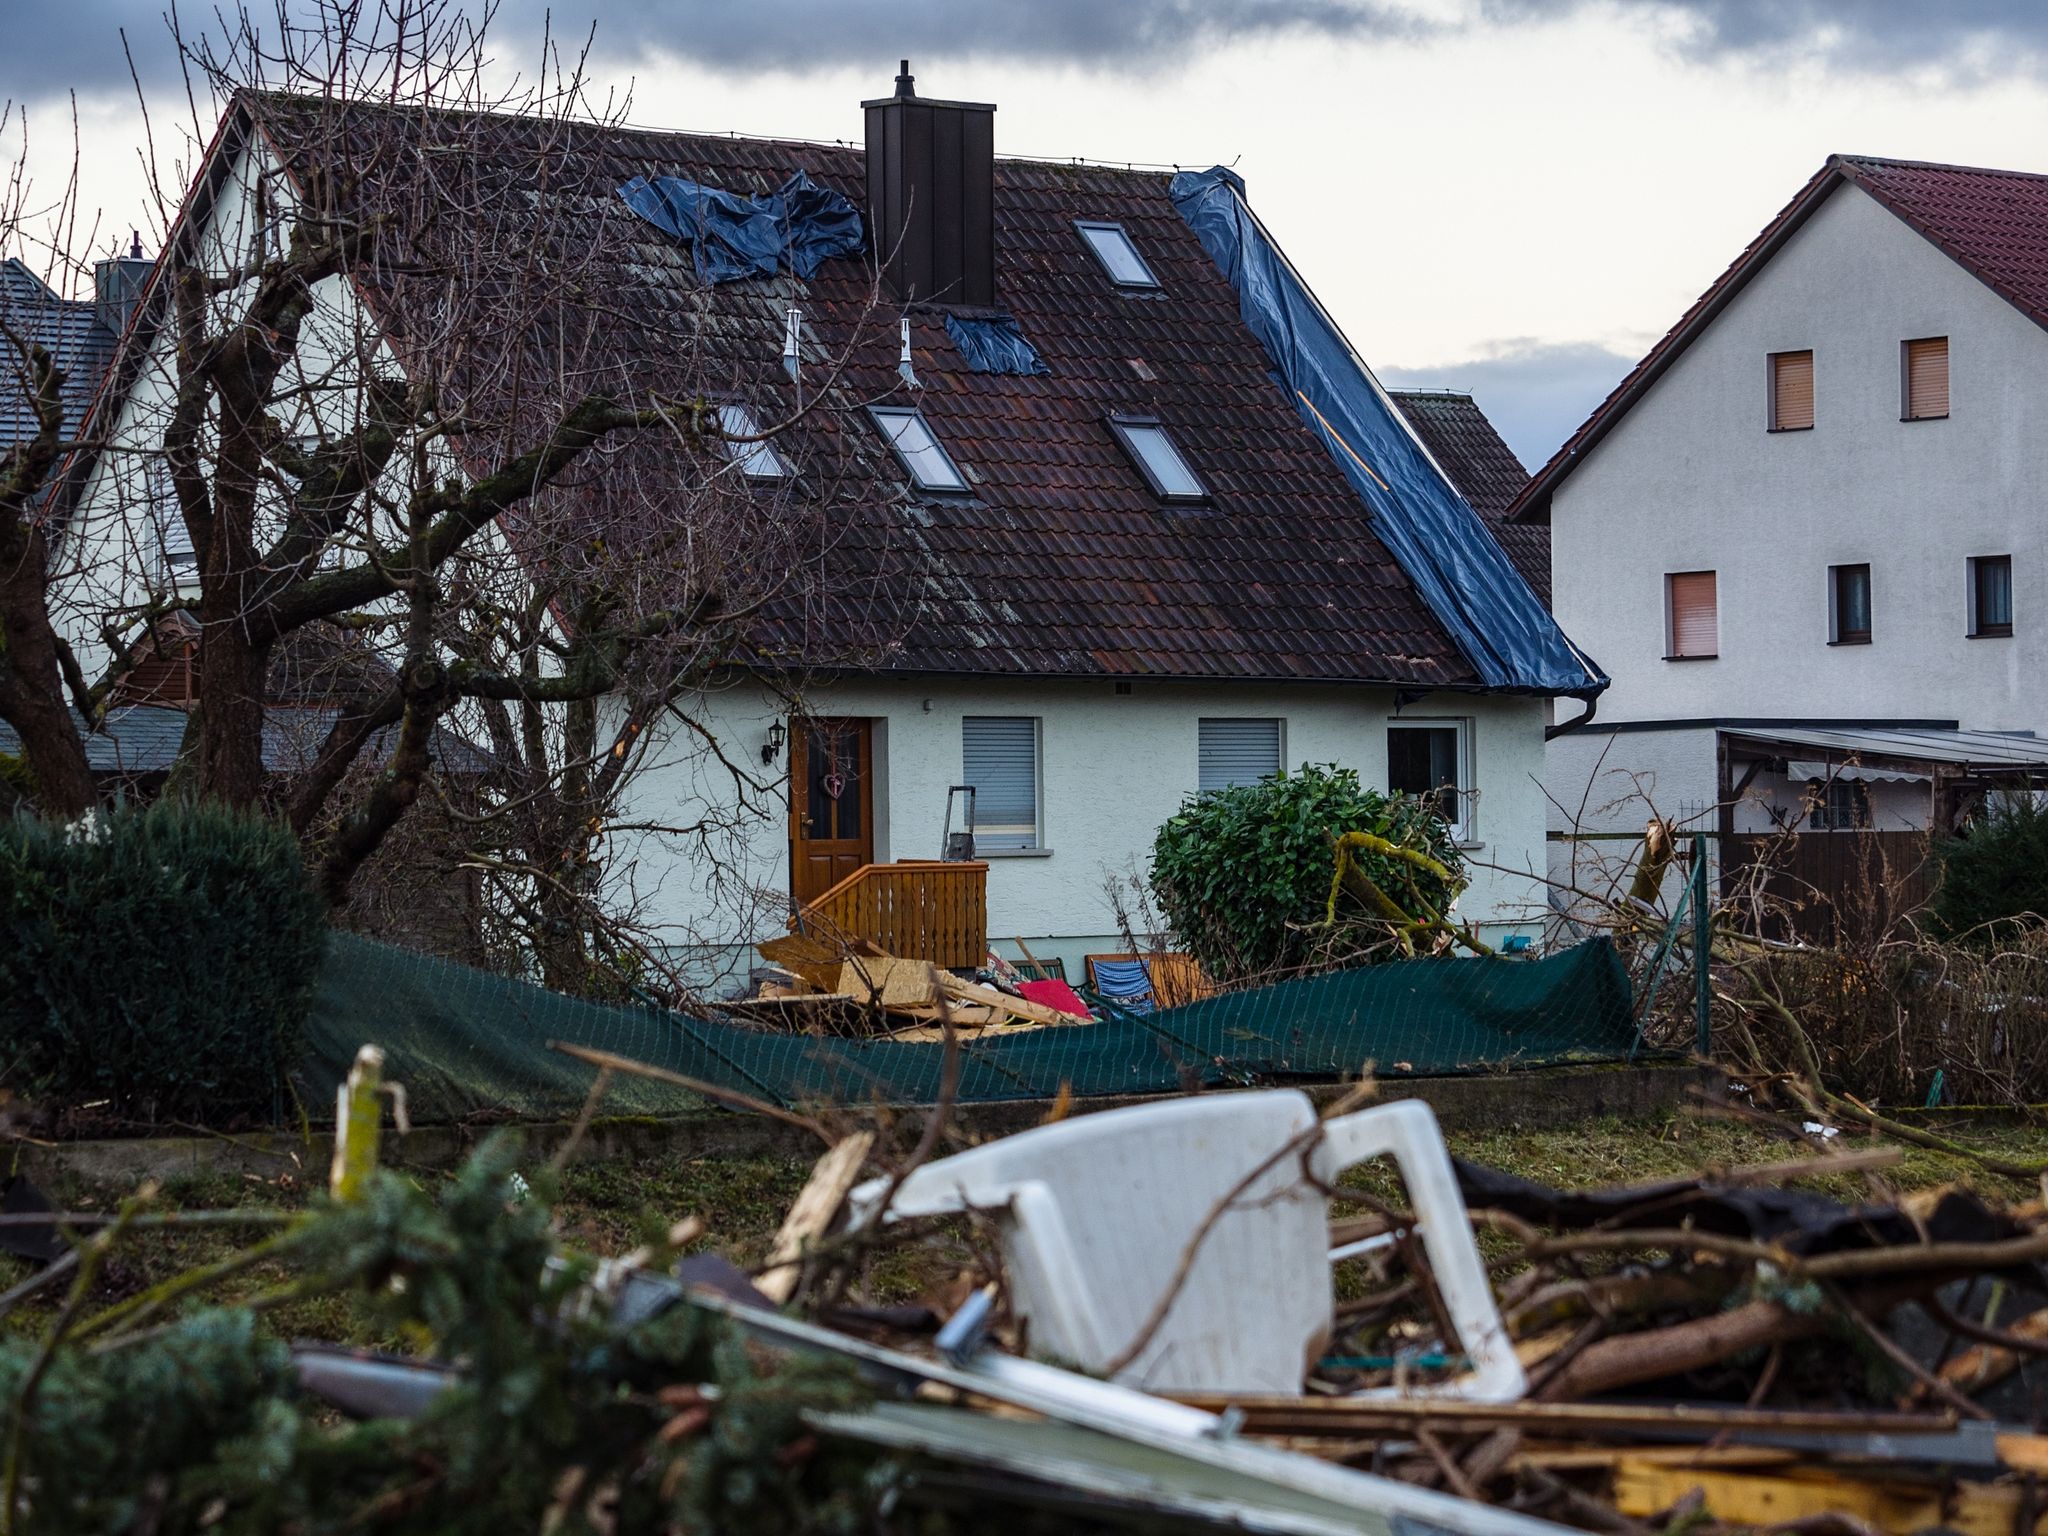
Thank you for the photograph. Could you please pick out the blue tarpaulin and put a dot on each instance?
(800, 224)
(994, 344)
(1455, 565)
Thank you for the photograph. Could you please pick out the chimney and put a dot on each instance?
(117, 285)
(931, 196)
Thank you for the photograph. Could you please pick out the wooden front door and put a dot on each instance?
(831, 805)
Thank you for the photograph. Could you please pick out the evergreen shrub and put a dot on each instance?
(1243, 874)
(159, 963)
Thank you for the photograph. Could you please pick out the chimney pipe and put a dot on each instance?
(931, 196)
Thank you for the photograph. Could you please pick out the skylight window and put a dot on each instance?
(930, 466)
(1119, 258)
(1154, 452)
(757, 461)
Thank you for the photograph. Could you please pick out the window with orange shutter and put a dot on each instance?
(1692, 627)
(1926, 379)
(1791, 391)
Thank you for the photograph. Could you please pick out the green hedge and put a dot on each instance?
(159, 961)
(1995, 873)
(1243, 874)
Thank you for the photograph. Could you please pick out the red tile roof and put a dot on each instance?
(1062, 562)
(1483, 468)
(1994, 224)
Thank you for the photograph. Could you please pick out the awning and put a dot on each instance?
(1880, 753)
(1795, 769)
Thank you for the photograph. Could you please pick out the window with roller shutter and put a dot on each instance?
(1925, 366)
(1791, 391)
(999, 757)
(1692, 620)
(1232, 752)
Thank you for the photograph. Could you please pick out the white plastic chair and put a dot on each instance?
(1096, 1212)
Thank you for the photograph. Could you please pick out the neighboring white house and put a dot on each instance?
(1807, 537)
(1149, 570)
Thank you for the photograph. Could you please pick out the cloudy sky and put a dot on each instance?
(1513, 197)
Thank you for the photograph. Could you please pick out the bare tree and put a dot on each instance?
(385, 390)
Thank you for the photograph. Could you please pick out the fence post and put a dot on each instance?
(1702, 947)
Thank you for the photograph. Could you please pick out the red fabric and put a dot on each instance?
(1054, 993)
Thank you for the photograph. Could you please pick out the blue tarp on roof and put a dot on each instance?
(1455, 565)
(799, 224)
(994, 344)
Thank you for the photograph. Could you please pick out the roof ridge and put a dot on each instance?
(1936, 165)
(714, 135)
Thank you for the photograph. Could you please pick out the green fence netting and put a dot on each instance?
(468, 1043)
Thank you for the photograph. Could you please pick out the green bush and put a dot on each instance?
(1995, 872)
(160, 961)
(1243, 874)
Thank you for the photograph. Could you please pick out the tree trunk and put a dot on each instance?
(231, 683)
(32, 681)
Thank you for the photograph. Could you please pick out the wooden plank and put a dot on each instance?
(1350, 1416)
(968, 992)
(1643, 1487)
(810, 1218)
(894, 982)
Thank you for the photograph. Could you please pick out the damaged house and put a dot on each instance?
(1110, 513)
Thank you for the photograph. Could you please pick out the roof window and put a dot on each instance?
(1155, 453)
(1119, 258)
(757, 460)
(930, 466)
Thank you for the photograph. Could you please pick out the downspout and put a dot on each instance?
(1552, 732)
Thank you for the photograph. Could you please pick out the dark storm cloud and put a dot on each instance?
(1874, 36)
(48, 46)
(1534, 393)
(52, 45)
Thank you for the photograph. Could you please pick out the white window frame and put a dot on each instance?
(1129, 432)
(1466, 796)
(1036, 848)
(756, 461)
(1109, 229)
(884, 416)
(1278, 722)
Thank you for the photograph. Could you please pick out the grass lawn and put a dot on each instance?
(607, 1206)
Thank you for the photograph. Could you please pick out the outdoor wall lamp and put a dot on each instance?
(772, 749)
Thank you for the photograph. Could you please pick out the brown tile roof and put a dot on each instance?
(1993, 224)
(1483, 468)
(1062, 562)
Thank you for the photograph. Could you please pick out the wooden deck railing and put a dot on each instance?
(918, 909)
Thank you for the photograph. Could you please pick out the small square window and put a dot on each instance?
(1791, 391)
(1119, 257)
(930, 466)
(1849, 604)
(1692, 620)
(757, 460)
(1429, 759)
(1991, 596)
(999, 757)
(1232, 752)
(1925, 367)
(1159, 458)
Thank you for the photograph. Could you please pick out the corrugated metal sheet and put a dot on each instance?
(1964, 749)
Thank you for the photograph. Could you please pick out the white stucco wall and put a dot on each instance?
(1113, 768)
(1691, 480)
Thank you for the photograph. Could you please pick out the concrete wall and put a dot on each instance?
(1113, 768)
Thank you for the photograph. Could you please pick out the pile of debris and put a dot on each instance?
(854, 988)
(1730, 1351)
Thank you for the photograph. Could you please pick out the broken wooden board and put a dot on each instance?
(1016, 1007)
(810, 1217)
(1645, 1487)
(816, 961)
(895, 984)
